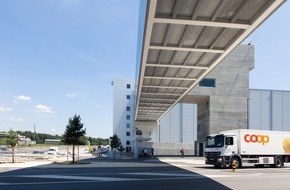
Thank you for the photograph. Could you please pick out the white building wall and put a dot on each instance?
(269, 110)
(175, 124)
(281, 110)
(179, 125)
(155, 134)
(121, 123)
(277, 108)
(189, 123)
(286, 111)
(165, 128)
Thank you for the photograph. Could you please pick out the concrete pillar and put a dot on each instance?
(146, 128)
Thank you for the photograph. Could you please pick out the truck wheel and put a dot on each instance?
(238, 163)
(278, 162)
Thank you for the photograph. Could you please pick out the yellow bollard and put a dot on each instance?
(234, 166)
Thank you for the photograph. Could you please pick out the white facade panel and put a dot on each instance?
(277, 107)
(259, 110)
(164, 128)
(286, 111)
(265, 110)
(155, 134)
(175, 124)
(269, 110)
(189, 127)
(179, 125)
(255, 110)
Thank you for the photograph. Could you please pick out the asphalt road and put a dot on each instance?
(176, 174)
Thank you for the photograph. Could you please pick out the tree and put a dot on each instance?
(74, 133)
(83, 140)
(98, 141)
(115, 142)
(3, 141)
(12, 140)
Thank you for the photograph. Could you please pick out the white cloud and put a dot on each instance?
(22, 98)
(43, 109)
(5, 109)
(72, 95)
(16, 120)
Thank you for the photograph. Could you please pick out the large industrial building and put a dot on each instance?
(192, 75)
(222, 101)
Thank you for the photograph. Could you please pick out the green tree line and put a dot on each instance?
(38, 137)
(41, 137)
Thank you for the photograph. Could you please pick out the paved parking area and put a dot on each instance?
(163, 172)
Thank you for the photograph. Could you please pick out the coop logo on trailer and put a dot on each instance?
(257, 138)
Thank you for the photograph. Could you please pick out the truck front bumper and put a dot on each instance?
(216, 161)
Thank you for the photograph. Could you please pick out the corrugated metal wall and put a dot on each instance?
(178, 125)
(269, 110)
(189, 123)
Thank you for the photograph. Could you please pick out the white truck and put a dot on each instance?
(242, 146)
(52, 151)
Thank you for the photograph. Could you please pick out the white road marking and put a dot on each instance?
(4, 183)
(162, 174)
(86, 178)
(196, 175)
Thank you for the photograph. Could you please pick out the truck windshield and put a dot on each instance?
(214, 141)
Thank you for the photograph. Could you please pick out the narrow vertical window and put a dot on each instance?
(128, 86)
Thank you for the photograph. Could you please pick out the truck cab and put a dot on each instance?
(220, 149)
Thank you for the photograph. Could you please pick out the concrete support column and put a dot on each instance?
(146, 128)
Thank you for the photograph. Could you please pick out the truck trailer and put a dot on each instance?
(257, 147)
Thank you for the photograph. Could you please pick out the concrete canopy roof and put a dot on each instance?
(184, 40)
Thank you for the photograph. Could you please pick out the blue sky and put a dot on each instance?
(272, 52)
(58, 58)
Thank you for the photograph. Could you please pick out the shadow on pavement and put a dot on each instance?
(105, 173)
